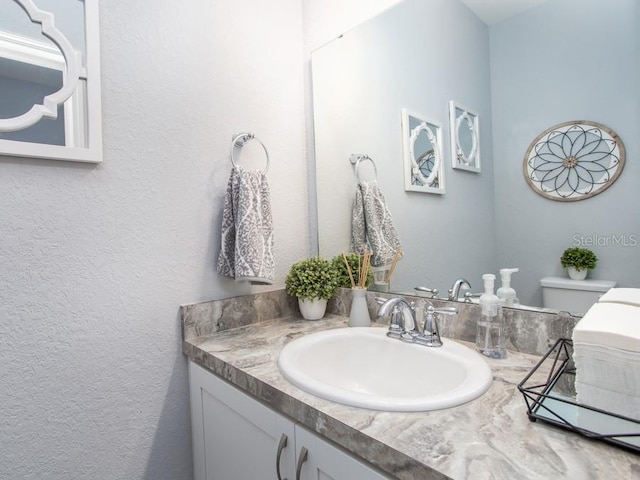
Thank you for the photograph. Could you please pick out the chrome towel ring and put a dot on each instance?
(239, 140)
(357, 158)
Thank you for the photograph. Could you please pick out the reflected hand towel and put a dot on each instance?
(372, 226)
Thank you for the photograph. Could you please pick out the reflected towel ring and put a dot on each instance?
(357, 158)
(239, 140)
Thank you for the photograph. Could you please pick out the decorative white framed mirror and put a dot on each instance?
(465, 137)
(422, 147)
(50, 80)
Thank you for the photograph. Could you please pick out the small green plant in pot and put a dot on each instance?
(313, 281)
(578, 261)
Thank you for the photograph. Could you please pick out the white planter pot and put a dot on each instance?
(312, 309)
(577, 274)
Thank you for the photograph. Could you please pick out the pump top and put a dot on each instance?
(489, 281)
(506, 294)
(505, 274)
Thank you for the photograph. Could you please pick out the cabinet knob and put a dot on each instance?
(281, 446)
(301, 459)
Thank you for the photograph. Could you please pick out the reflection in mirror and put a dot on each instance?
(492, 219)
(465, 138)
(48, 106)
(574, 161)
(50, 79)
(422, 154)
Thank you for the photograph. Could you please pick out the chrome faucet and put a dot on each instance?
(454, 291)
(397, 306)
(426, 334)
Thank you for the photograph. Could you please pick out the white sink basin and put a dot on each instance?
(362, 367)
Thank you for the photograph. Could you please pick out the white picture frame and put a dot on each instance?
(79, 96)
(464, 125)
(422, 154)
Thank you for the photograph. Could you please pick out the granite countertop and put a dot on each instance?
(488, 438)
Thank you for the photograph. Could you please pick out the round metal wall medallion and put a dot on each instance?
(573, 161)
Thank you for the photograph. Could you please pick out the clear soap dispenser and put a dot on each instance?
(506, 293)
(490, 335)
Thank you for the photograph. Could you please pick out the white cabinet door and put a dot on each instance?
(326, 462)
(238, 438)
(234, 436)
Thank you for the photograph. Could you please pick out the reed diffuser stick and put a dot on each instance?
(396, 257)
(364, 269)
(346, 262)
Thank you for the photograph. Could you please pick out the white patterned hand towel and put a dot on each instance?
(372, 226)
(246, 250)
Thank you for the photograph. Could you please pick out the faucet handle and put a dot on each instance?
(444, 310)
(433, 291)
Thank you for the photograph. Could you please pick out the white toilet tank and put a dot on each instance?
(572, 295)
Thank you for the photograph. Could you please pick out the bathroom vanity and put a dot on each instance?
(242, 408)
(236, 436)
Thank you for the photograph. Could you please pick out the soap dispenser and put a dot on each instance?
(490, 336)
(506, 294)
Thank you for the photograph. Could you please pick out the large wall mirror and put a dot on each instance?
(50, 80)
(519, 76)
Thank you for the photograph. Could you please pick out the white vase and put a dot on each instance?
(312, 309)
(359, 315)
(575, 274)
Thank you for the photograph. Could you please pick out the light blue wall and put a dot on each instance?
(565, 60)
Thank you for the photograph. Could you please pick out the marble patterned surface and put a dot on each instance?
(489, 438)
(206, 318)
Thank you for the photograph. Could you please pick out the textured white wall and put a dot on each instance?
(97, 259)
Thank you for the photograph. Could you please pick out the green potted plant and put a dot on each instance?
(313, 281)
(578, 261)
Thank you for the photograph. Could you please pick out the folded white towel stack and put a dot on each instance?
(628, 296)
(606, 345)
(246, 250)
